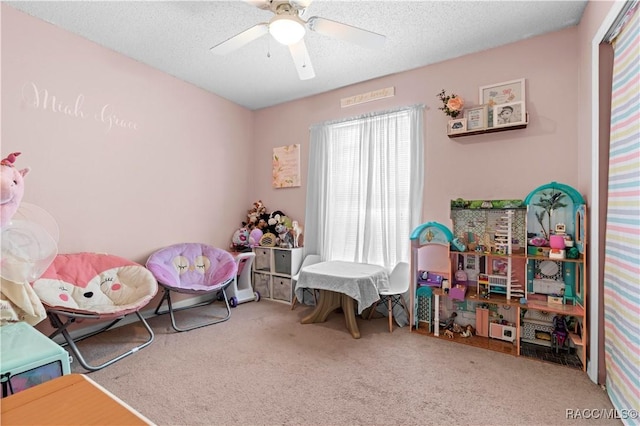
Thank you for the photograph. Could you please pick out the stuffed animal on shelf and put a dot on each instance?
(255, 213)
(11, 188)
(240, 239)
(285, 239)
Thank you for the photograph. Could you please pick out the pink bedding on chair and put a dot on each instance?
(95, 283)
(192, 267)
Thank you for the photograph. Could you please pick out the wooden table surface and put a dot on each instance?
(72, 399)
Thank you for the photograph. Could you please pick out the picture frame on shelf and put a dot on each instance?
(509, 114)
(457, 125)
(499, 267)
(501, 93)
(477, 117)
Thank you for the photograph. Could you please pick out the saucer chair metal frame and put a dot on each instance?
(162, 265)
(61, 317)
(61, 326)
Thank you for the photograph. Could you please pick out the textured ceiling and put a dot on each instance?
(175, 37)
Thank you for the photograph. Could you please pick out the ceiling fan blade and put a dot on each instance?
(239, 40)
(300, 4)
(260, 4)
(302, 60)
(346, 32)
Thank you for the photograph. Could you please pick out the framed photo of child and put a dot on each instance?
(509, 114)
(500, 94)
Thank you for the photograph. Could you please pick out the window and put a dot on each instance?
(365, 187)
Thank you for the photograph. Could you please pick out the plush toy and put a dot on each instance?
(255, 213)
(240, 239)
(11, 188)
(18, 301)
(285, 239)
(254, 237)
(274, 219)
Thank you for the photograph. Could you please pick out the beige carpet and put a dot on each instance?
(262, 367)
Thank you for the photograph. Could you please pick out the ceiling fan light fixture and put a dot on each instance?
(286, 29)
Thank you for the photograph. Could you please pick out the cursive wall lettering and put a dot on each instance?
(42, 99)
(110, 119)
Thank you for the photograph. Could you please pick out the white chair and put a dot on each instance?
(398, 285)
(309, 259)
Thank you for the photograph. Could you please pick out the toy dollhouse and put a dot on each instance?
(522, 264)
(430, 265)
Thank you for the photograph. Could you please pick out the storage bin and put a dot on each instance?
(282, 262)
(263, 259)
(29, 358)
(282, 289)
(261, 284)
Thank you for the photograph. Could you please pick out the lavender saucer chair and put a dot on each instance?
(195, 269)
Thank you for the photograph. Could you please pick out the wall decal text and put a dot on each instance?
(387, 92)
(42, 99)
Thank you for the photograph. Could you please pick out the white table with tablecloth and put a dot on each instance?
(341, 284)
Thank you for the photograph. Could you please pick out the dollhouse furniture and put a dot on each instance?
(424, 303)
(429, 253)
(394, 295)
(29, 358)
(94, 286)
(196, 269)
(72, 399)
(342, 285)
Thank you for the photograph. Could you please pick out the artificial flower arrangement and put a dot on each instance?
(451, 104)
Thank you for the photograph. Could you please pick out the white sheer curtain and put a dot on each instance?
(365, 187)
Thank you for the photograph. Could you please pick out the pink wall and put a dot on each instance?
(498, 165)
(179, 172)
(176, 171)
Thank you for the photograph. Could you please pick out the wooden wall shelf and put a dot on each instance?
(487, 130)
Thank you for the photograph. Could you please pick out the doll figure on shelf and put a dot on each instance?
(560, 330)
(450, 324)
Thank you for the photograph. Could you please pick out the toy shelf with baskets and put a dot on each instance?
(272, 271)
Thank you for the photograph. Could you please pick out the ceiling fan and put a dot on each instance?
(288, 27)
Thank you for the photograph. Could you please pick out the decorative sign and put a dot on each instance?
(42, 99)
(286, 166)
(368, 97)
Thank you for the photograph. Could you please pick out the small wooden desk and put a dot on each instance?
(72, 399)
(342, 285)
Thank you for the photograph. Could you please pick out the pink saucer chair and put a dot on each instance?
(95, 286)
(193, 268)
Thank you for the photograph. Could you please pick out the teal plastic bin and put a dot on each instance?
(28, 358)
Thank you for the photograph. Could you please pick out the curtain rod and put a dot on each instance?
(623, 17)
(367, 115)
